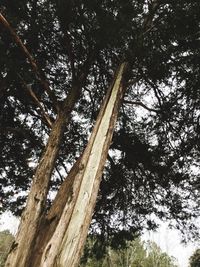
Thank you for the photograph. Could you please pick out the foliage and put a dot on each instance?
(6, 239)
(195, 259)
(136, 253)
(154, 155)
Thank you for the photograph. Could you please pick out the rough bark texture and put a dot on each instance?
(32, 217)
(65, 246)
(57, 239)
(51, 220)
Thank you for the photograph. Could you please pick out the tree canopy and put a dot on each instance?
(153, 162)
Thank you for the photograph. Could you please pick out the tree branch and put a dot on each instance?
(59, 174)
(71, 56)
(153, 86)
(85, 67)
(139, 103)
(31, 60)
(112, 163)
(37, 102)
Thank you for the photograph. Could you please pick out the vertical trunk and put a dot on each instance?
(31, 219)
(65, 245)
(51, 220)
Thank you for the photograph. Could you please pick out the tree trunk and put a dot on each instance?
(32, 217)
(57, 239)
(65, 246)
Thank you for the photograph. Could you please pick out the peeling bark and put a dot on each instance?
(51, 220)
(65, 246)
(57, 238)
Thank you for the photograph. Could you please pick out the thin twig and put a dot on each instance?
(154, 89)
(111, 160)
(59, 174)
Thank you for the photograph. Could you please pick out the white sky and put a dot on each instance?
(168, 240)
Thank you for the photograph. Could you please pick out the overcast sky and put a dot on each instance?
(170, 242)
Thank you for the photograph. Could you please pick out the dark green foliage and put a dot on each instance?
(195, 259)
(154, 158)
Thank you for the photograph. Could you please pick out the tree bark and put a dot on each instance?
(34, 212)
(65, 246)
(57, 239)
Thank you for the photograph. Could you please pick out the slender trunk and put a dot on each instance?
(31, 219)
(65, 245)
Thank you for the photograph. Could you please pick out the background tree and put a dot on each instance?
(73, 50)
(195, 258)
(6, 239)
(136, 253)
(156, 257)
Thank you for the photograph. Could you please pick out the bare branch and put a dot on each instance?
(111, 160)
(31, 60)
(139, 103)
(59, 174)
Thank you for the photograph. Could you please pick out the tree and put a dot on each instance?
(6, 239)
(195, 259)
(136, 253)
(158, 258)
(57, 62)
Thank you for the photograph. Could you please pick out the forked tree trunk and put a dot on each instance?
(66, 244)
(62, 232)
(32, 217)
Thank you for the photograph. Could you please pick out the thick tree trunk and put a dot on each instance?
(64, 246)
(32, 217)
(57, 239)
